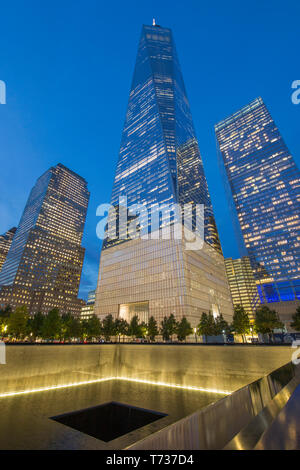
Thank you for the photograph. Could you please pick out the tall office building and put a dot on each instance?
(43, 266)
(242, 284)
(263, 184)
(87, 311)
(160, 164)
(5, 242)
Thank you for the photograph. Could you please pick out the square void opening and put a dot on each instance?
(108, 421)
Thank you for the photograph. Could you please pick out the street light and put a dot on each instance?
(224, 339)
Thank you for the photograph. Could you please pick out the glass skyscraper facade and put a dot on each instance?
(5, 242)
(159, 160)
(87, 310)
(242, 284)
(43, 266)
(160, 164)
(263, 184)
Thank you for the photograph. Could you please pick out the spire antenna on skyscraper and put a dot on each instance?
(153, 22)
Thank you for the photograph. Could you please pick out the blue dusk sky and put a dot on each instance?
(68, 66)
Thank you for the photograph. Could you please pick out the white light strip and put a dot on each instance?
(55, 387)
(106, 379)
(184, 387)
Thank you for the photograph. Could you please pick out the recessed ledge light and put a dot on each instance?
(106, 379)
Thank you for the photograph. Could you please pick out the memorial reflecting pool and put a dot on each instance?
(156, 388)
(26, 419)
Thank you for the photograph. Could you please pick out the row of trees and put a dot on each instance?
(265, 322)
(20, 325)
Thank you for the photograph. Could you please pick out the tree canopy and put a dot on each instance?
(296, 320)
(152, 329)
(18, 322)
(240, 321)
(168, 327)
(183, 329)
(35, 325)
(207, 325)
(266, 320)
(121, 327)
(108, 327)
(52, 325)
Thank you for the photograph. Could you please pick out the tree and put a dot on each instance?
(93, 327)
(5, 312)
(108, 327)
(222, 326)
(266, 320)
(168, 327)
(144, 329)
(183, 329)
(152, 328)
(4, 318)
(240, 321)
(121, 327)
(66, 320)
(35, 325)
(84, 327)
(17, 323)
(52, 325)
(296, 320)
(75, 327)
(70, 327)
(135, 328)
(207, 325)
